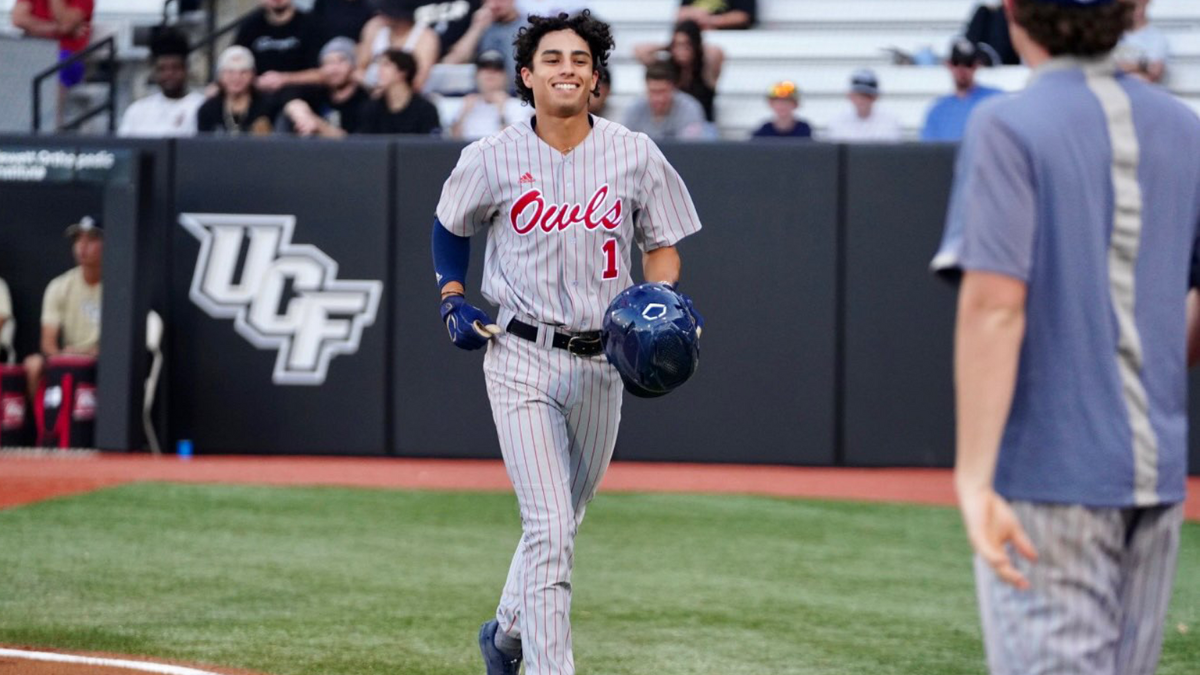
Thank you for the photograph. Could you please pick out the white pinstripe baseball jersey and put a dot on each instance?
(559, 244)
(562, 225)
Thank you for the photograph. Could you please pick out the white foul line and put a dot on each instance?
(112, 663)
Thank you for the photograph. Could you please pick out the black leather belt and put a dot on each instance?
(581, 344)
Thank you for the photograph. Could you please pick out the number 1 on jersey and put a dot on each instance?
(610, 260)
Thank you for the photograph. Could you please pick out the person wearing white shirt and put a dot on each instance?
(172, 111)
(1144, 48)
(865, 122)
(491, 108)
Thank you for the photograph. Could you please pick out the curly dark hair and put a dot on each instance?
(594, 32)
(1078, 31)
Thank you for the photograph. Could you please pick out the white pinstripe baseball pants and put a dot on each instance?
(557, 416)
(1099, 594)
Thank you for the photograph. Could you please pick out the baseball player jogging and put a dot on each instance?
(1073, 221)
(563, 197)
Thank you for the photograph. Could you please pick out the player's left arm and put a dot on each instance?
(662, 265)
(666, 215)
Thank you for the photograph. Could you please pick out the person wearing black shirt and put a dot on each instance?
(718, 14)
(449, 19)
(331, 110)
(989, 26)
(784, 99)
(238, 108)
(285, 43)
(342, 18)
(400, 109)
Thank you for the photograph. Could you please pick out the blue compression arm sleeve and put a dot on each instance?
(451, 255)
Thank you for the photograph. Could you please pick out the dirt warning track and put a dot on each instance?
(26, 478)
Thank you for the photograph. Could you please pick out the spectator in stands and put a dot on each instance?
(988, 29)
(449, 19)
(1144, 49)
(285, 42)
(865, 122)
(237, 108)
(400, 109)
(493, 28)
(69, 22)
(784, 99)
(698, 64)
(5, 306)
(947, 118)
(71, 307)
(492, 108)
(342, 18)
(333, 109)
(172, 111)
(396, 27)
(598, 103)
(665, 112)
(718, 14)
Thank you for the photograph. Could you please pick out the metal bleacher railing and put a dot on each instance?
(109, 105)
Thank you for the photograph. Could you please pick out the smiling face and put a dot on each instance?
(170, 71)
(562, 77)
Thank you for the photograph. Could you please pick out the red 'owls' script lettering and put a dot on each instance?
(558, 217)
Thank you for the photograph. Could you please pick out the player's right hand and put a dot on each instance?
(991, 525)
(469, 327)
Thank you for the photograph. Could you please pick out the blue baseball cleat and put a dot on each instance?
(497, 662)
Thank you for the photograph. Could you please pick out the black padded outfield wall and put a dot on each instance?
(764, 392)
(278, 289)
(440, 406)
(301, 313)
(762, 273)
(899, 319)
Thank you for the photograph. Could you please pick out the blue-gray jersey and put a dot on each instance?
(1086, 186)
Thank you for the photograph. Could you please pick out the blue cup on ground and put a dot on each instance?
(184, 449)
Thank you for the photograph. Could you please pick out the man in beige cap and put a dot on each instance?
(71, 307)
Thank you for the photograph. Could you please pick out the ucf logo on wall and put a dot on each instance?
(323, 316)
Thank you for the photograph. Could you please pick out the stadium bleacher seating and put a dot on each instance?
(817, 43)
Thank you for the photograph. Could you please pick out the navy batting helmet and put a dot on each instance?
(651, 338)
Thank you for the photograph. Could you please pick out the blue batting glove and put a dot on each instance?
(469, 327)
(695, 315)
(691, 308)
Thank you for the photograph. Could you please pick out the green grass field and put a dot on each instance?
(322, 581)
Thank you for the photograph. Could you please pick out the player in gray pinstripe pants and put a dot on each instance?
(564, 197)
(1073, 223)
